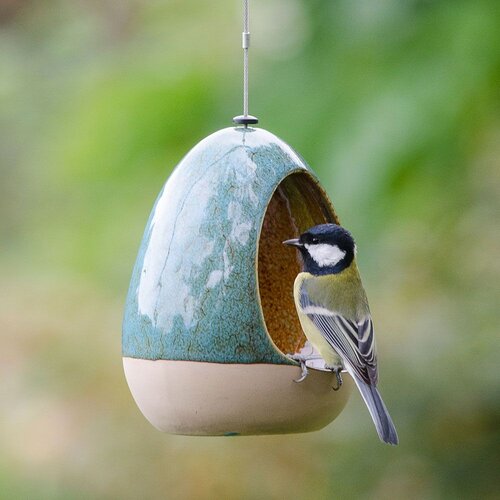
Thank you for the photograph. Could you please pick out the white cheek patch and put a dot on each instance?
(325, 255)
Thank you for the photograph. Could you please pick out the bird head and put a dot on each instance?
(325, 249)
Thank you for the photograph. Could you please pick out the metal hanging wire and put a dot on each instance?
(245, 118)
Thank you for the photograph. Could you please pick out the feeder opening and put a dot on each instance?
(297, 204)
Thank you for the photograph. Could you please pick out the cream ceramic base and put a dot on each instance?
(211, 399)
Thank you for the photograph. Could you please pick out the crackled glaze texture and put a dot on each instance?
(194, 292)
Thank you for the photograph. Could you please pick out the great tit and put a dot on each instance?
(334, 314)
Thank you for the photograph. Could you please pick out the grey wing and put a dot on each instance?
(353, 341)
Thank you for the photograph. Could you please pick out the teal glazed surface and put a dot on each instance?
(193, 293)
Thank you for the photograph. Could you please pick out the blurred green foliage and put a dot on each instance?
(394, 103)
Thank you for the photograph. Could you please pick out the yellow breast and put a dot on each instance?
(332, 359)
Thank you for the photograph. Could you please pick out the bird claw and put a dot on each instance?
(304, 373)
(303, 367)
(302, 360)
(338, 376)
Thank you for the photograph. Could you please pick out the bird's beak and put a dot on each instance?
(295, 242)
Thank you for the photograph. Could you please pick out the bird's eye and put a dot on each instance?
(314, 240)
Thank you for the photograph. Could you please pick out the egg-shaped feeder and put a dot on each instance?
(210, 316)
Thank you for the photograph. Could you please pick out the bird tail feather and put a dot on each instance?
(378, 411)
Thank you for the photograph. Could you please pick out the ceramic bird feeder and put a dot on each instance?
(210, 317)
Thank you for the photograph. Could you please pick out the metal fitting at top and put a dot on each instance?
(245, 40)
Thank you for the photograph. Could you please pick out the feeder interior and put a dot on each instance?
(297, 204)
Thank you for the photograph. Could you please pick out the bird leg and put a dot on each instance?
(304, 373)
(302, 360)
(338, 375)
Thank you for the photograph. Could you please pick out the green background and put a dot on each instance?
(394, 103)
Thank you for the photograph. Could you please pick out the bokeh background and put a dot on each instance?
(394, 103)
